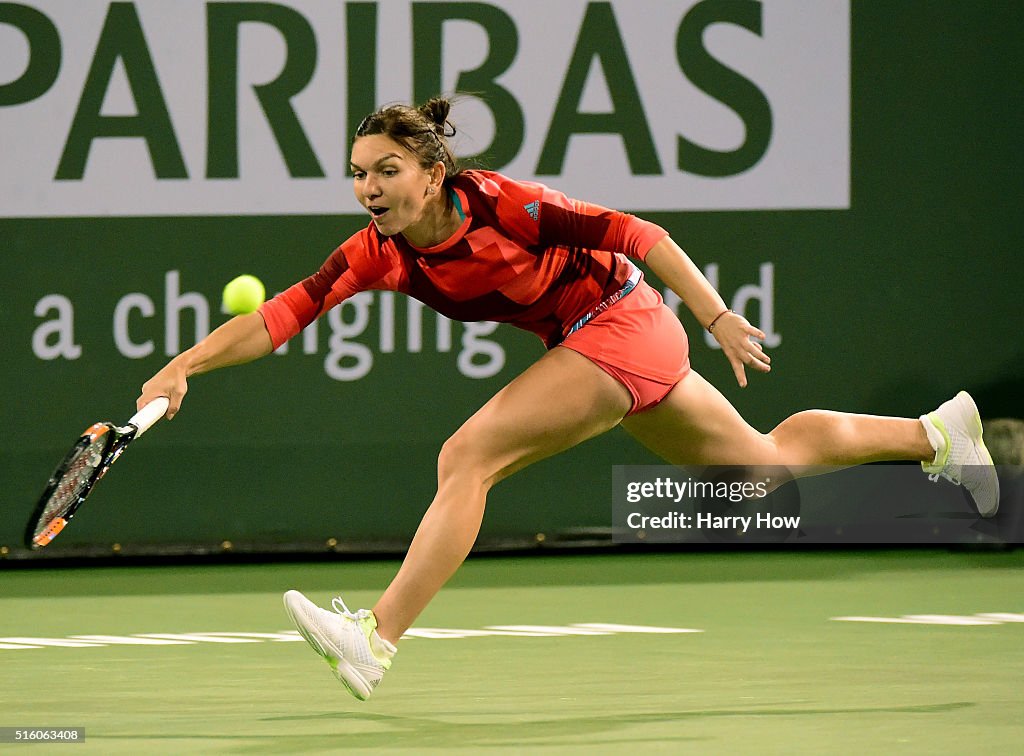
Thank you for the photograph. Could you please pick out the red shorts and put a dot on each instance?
(639, 342)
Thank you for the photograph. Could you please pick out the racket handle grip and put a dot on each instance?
(145, 417)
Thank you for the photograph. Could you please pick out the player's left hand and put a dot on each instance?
(736, 336)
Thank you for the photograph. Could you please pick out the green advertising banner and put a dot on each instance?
(846, 173)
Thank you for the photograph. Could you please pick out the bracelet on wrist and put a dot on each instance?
(711, 325)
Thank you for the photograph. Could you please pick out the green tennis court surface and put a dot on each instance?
(771, 670)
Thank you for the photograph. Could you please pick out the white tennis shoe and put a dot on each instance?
(955, 432)
(348, 641)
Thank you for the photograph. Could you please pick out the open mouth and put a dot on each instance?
(377, 211)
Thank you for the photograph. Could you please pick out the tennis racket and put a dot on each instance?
(86, 462)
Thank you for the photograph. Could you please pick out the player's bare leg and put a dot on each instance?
(696, 424)
(560, 401)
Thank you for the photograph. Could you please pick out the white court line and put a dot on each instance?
(285, 637)
(613, 628)
(129, 640)
(199, 637)
(18, 643)
(439, 633)
(41, 642)
(291, 636)
(550, 629)
(1003, 616)
(923, 619)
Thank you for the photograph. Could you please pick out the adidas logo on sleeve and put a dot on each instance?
(533, 208)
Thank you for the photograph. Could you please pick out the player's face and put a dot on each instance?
(389, 182)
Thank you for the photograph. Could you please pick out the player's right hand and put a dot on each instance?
(170, 382)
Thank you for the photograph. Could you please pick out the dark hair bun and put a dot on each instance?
(422, 130)
(436, 110)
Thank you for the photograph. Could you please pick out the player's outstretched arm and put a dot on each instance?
(674, 267)
(241, 339)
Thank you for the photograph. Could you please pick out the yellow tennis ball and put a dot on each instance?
(242, 295)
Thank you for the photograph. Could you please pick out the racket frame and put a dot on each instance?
(117, 440)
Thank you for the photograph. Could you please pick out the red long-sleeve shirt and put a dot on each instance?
(524, 254)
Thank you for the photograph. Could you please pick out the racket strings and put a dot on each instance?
(75, 479)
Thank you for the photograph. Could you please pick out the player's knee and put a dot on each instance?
(459, 459)
(800, 437)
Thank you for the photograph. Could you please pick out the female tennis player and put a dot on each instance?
(476, 245)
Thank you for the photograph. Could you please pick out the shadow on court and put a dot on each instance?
(393, 731)
(424, 732)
